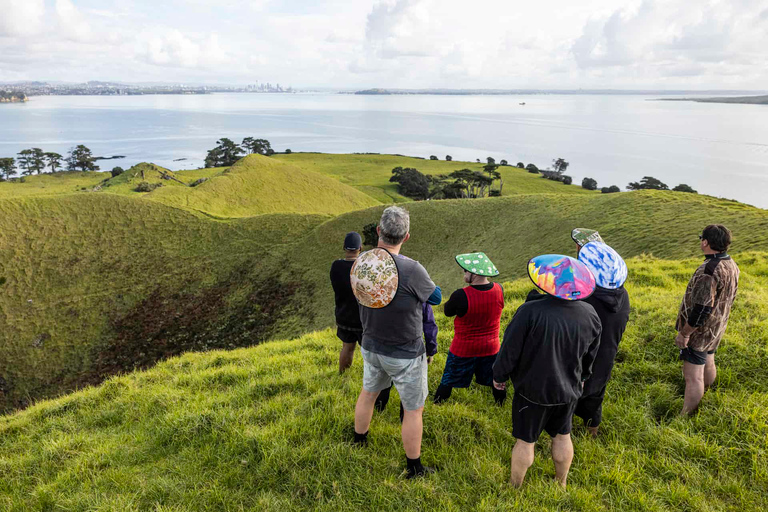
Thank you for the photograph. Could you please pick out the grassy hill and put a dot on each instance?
(371, 173)
(87, 276)
(511, 230)
(103, 282)
(59, 183)
(267, 428)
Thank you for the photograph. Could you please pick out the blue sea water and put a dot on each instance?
(718, 149)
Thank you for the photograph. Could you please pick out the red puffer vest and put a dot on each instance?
(476, 334)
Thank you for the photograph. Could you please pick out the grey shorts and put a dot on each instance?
(408, 375)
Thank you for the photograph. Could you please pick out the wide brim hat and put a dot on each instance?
(606, 265)
(477, 263)
(561, 276)
(374, 278)
(583, 236)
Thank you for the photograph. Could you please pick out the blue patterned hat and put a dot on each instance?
(606, 265)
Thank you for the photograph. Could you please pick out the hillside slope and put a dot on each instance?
(371, 173)
(85, 276)
(511, 230)
(256, 185)
(117, 282)
(268, 428)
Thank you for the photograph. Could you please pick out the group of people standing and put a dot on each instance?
(558, 351)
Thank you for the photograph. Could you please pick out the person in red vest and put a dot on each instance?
(477, 309)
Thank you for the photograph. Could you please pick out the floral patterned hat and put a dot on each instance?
(374, 278)
(583, 236)
(477, 263)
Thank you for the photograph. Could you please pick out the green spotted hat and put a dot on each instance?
(477, 263)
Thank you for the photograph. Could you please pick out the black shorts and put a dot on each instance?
(349, 336)
(529, 420)
(694, 356)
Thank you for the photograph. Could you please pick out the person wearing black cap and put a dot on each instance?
(349, 329)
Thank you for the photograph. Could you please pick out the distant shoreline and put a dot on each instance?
(744, 100)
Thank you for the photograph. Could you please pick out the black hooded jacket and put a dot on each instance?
(612, 306)
(548, 349)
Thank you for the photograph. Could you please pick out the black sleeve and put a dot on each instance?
(457, 305)
(512, 346)
(589, 358)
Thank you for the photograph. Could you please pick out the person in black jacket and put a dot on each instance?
(349, 329)
(547, 352)
(611, 302)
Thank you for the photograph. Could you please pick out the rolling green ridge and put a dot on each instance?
(103, 282)
(268, 428)
(511, 230)
(371, 173)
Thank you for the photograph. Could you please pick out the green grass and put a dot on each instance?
(77, 268)
(511, 230)
(371, 173)
(59, 183)
(257, 185)
(267, 428)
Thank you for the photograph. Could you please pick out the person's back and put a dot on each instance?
(347, 311)
(613, 308)
(476, 333)
(547, 352)
(349, 329)
(477, 310)
(546, 349)
(396, 330)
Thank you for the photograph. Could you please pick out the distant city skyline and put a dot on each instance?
(393, 44)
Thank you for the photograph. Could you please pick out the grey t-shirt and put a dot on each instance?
(396, 330)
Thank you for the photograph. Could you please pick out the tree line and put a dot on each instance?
(36, 161)
(460, 184)
(227, 152)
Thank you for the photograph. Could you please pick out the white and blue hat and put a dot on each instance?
(606, 265)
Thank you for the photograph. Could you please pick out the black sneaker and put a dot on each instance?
(424, 471)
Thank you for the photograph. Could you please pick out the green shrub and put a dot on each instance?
(146, 186)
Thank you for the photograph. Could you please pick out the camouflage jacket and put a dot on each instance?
(708, 300)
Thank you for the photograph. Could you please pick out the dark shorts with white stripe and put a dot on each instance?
(529, 420)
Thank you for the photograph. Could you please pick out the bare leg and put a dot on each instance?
(364, 410)
(710, 371)
(562, 455)
(412, 429)
(346, 356)
(522, 458)
(694, 386)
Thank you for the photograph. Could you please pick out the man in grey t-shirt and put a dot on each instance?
(393, 348)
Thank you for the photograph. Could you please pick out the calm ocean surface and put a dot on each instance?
(718, 149)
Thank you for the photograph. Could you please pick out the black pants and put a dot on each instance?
(590, 408)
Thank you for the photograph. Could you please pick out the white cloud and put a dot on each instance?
(391, 43)
(21, 17)
(73, 23)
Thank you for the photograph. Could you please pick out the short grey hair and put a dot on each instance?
(394, 225)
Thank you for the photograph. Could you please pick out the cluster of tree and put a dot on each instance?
(651, 183)
(591, 184)
(464, 183)
(36, 161)
(227, 152)
(557, 173)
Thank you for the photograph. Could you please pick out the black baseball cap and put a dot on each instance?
(353, 241)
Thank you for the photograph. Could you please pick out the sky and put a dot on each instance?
(349, 44)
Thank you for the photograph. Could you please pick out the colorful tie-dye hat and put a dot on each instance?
(561, 276)
(477, 263)
(583, 236)
(606, 265)
(374, 278)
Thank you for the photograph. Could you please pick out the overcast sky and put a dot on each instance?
(663, 44)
